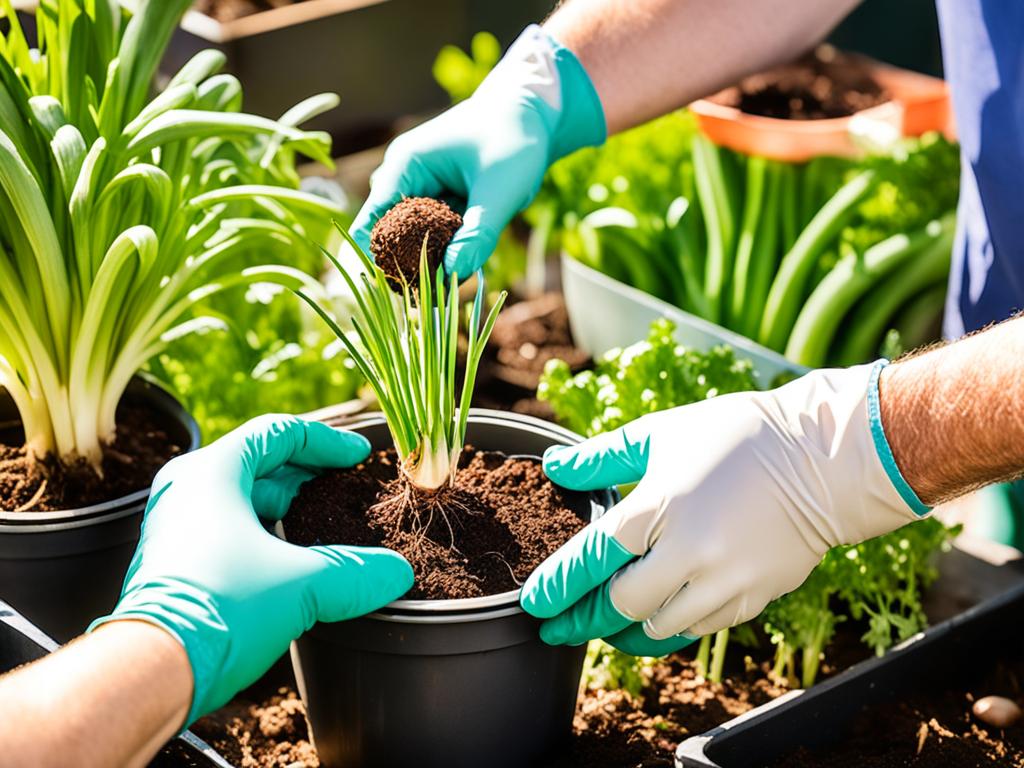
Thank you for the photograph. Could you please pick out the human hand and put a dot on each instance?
(233, 594)
(739, 497)
(493, 149)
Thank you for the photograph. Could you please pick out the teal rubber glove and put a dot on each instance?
(233, 594)
(492, 150)
(738, 499)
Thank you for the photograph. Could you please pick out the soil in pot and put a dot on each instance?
(933, 728)
(526, 336)
(145, 441)
(229, 10)
(483, 536)
(822, 84)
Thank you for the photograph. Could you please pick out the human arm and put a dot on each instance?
(955, 415)
(650, 57)
(209, 592)
(111, 698)
(597, 67)
(740, 496)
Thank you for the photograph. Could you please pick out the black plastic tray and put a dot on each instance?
(21, 642)
(978, 597)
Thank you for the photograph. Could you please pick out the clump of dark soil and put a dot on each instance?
(145, 442)
(229, 10)
(397, 238)
(931, 729)
(482, 536)
(823, 84)
(271, 733)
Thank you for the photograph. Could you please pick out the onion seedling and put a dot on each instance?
(408, 344)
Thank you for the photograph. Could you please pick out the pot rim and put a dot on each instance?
(148, 388)
(489, 606)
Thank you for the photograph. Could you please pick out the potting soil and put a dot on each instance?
(483, 536)
(823, 84)
(526, 335)
(270, 733)
(145, 442)
(933, 728)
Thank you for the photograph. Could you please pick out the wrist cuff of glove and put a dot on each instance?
(558, 79)
(883, 448)
(582, 122)
(205, 656)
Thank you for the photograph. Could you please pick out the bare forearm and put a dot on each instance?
(109, 699)
(954, 416)
(648, 57)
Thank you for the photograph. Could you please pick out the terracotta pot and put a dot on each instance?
(920, 103)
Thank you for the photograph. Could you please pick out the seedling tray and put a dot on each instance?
(21, 642)
(821, 716)
(605, 313)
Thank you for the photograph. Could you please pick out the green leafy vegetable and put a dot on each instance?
(646, 377)
(880, 581)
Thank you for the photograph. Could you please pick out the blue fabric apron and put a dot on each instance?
(983, 56)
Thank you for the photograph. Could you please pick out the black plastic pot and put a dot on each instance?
(452, 683)
(21, 642)
(822, 715)
(63, 569)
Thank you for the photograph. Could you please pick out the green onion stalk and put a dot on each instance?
(120, 213)
(407, 346)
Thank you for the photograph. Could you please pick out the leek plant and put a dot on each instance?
(119, 212)
(407, 350)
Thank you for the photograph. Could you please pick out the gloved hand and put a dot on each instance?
(233, 594)
(739, 497)
(493, 149)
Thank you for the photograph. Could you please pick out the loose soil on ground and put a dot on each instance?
(931, 729)
(611, 729)
(483, 536)
(269, 733)
(822, 84)
(145, 442)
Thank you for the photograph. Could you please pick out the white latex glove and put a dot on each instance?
(739, 497)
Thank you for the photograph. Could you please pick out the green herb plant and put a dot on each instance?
(878, 583)
(407, 351)
(122, 212)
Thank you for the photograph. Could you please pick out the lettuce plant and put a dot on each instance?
(120, 212)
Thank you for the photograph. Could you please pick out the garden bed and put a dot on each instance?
(919, 682)
(673, 703)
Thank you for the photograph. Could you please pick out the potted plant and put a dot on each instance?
(120, 214)
(442, 677)
(819, 104)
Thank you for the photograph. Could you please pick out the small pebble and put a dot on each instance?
(997, 711)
